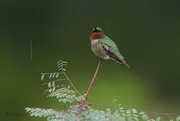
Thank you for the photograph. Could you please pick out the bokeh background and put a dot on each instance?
(146, 32)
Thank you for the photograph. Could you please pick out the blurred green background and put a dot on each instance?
(146, 32)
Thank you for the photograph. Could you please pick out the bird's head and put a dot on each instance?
(97, 33)
(97, 29)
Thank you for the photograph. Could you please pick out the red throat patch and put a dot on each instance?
(97, 35)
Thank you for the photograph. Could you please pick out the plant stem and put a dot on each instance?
(94, 77)
(92, 82)
(71, 82)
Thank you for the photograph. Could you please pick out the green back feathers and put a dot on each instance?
(113, 47)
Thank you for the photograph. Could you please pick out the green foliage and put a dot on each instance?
(61, 64)
(70, 96)
(66, 95)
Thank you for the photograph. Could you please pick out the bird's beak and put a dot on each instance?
(95, 28)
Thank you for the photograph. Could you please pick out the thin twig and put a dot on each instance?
(101, 105)
(168, 115)
(165, 114)
(71, 82)
(54, 81)
(51, 73)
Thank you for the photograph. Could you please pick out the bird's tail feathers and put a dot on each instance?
(117, 59)
(121, 61)
(124, 62)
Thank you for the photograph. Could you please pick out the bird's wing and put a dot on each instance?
(112, 50)
(110, 47)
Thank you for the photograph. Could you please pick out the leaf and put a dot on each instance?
(50, 90)
(128, 111)
(144, 116)
(61, 64)
(108, 109)
(116, 111)
(32, 114)
(152, 120)
(27, 109)
(48, 118)
(130, 119)
(65, 62)
(178, 118)
(142, 112)
(53, 75)
(53, 84)
(54, 88)
(42, 77)
(114, 100)
(57, 75)
(129, 115)
(135, 115)
(158, 119)
(134, 110)
(49, 84)
(136, 119)
(59, 61)
(50, 75)
(40, 115)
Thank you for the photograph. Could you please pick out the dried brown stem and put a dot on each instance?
(91, 84)
(93, 79)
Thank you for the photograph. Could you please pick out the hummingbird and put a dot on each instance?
(104, 47)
